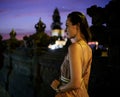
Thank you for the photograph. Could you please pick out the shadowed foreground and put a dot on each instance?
(31, 76)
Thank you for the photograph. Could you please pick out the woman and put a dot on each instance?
(75, 69)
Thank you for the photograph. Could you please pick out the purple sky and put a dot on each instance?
(22, 15)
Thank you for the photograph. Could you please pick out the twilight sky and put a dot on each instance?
(22, 15)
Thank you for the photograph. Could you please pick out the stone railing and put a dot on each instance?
(26, 74)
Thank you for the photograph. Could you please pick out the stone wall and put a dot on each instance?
(26, 74)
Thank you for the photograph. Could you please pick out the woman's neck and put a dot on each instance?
(76, 39)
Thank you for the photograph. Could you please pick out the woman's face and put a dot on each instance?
(70, 29)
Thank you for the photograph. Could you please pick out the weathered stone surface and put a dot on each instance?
(3, 92)
(29, 75)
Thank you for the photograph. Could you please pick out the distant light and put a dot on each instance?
(58, 44)
(93, 43)
(51, 47)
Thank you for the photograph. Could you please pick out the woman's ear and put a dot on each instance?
(78, 26)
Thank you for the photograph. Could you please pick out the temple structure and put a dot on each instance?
(56, 25)
(40, 26)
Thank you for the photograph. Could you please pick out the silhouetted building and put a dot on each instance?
(56, 25)
(40, 26)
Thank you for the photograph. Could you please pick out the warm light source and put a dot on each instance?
(58, 44)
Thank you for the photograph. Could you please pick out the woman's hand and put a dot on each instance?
(55, 84)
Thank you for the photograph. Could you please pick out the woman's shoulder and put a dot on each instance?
(79, 44)
(74, 46)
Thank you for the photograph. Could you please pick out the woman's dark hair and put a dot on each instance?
(77, 17)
